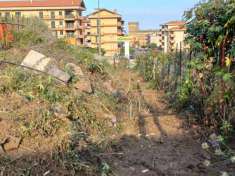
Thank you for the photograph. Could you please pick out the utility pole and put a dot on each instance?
(98, 31)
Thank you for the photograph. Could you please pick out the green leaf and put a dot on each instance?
(227, 77)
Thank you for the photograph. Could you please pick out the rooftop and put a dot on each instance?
(103, 9)
(172, 23)
(41, 3)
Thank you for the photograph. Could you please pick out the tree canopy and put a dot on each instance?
(211, 28)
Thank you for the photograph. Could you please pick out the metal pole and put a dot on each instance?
(99, 30)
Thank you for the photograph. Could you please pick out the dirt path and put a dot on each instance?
(156, 144)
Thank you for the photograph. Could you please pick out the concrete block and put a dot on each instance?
(36, 61)
(40, 62)
(63, 76)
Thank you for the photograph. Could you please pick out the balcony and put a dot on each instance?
(58, 28)
(70, 26)
(70, 17)
(70, 34)
(48, 17)
(120, 33)
(172, 42)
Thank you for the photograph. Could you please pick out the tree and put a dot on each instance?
(210, 27)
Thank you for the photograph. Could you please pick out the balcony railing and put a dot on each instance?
(70, 17)
(70, 27)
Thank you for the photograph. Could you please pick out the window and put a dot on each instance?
(60, 13)
(53, 15)
(7, 14)
(41, 15)
(61, 33)
(61, 23)
(70, 34)
(53, 24)
(69, 25)
(18, 14)
(69, 14)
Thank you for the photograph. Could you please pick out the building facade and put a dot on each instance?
(172, 36)
(64, 18)
(104, 27)
(140, 38)
(155, 38)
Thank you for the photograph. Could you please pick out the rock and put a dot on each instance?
(77, 71)
(84, 85)
(59, 74)
(40, 62)
(120, 95)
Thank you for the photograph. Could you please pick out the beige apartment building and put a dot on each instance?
(140, 38)
(104, 27)
(63, 17)
(172, 36)
(155, 38)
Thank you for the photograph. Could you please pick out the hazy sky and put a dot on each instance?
(150, 13)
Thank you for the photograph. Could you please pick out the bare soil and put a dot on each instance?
(156, 142)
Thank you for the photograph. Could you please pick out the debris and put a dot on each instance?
(37, 61)
(207, 163)
(232, 159)
(145, 171)
(205, 146)
(224, 174)
(47, 173)
(40, 62)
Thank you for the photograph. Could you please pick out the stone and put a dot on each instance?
(120, 95)
(77, 71)
(84, 85)
(59, 74)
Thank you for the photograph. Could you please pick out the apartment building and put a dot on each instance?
(172, 36)
(63, 17)
(155, 38)
(140, 38)
(109, 25)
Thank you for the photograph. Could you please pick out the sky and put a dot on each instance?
(149, 13)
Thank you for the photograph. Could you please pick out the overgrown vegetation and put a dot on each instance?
(201, 81)
(49, 115)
